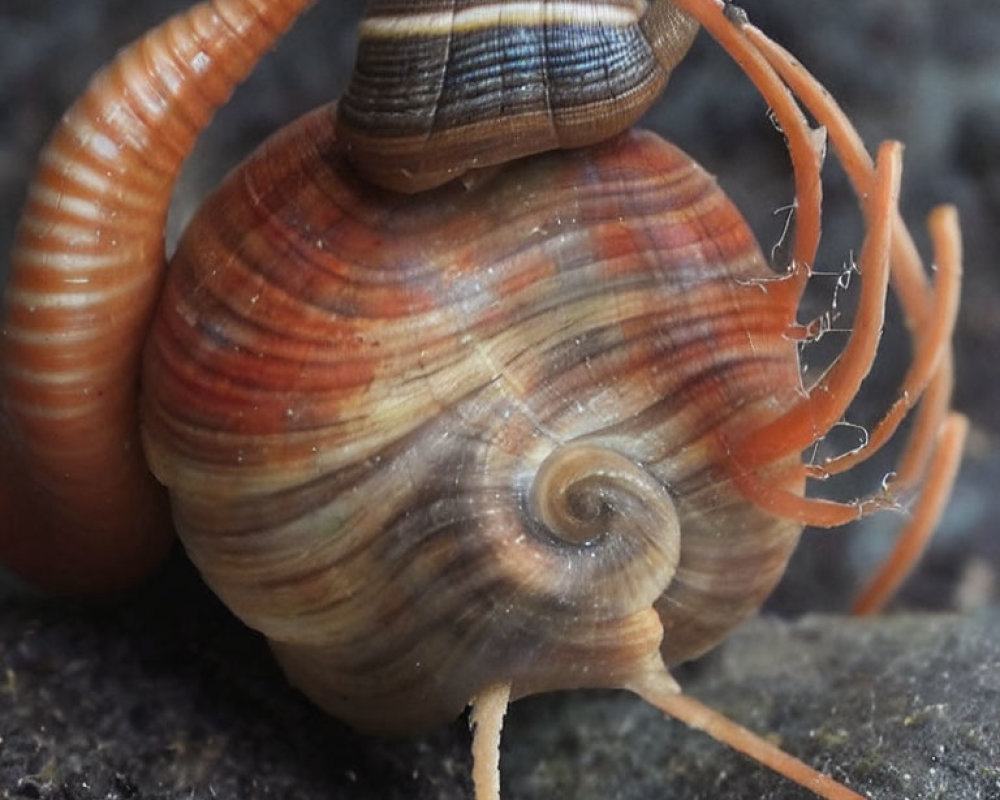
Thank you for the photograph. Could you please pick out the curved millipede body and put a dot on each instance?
(80, 508)
(535, 430)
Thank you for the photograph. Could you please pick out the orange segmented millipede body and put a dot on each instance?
(538, 428)
(85, 273)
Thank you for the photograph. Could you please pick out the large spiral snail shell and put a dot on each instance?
(453, 425)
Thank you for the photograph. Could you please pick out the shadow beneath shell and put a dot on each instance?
(161, 693)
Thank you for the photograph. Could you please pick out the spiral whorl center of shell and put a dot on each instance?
(620, 517)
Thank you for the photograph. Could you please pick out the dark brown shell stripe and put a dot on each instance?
(443, 86)
(580, 300)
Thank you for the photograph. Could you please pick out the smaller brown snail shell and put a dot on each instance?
(442, 87)
(483, 450)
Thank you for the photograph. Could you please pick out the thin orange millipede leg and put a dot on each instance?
(80, 509)
(911, 281)
(912, 541)
(875, 269)
(934, 410)
(826, 402)
(805, 148)
(486, 719)
(932, 340)
(818, 412)
(929, 315)
(701, 717)
(934, 406)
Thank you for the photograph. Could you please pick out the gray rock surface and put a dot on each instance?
(160, 694)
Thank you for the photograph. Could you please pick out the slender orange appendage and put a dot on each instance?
(80, 510)
(834, 391)
(821, 410)
(933, 411)
(488, 710)
(930, 317)
(909, 279)
(912, 540)
(805, 147)
(700, 717)
(933, 340)
(830, 397)
(929, 314)
(934, 407)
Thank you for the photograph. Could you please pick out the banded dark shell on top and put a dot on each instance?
(428, 444)
(443, 86)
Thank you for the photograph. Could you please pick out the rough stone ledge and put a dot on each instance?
(162, 695)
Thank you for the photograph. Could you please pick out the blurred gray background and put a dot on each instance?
(923, 71)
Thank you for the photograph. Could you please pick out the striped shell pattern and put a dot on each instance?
(473, 447)
(488, 82)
